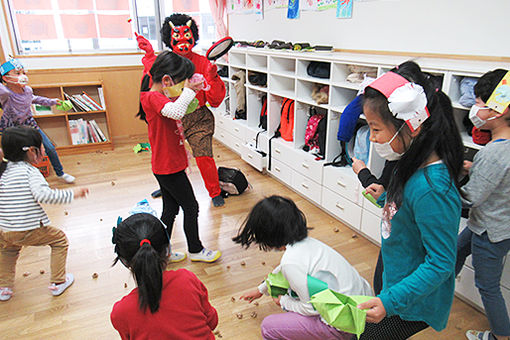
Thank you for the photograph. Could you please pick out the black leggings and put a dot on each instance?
(391, 328)
(176, 191)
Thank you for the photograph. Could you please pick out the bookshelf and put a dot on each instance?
(69, 130)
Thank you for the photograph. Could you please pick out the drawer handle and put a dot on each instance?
(304, 185)
(304, 165)
(277, 169)
(222, 135)
(250, 156)
(339, 206)
(237, 145)
(340, 183)
(277, 150)
(221, 122)
(236, 129)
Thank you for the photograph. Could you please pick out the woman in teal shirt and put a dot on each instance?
(411, 121)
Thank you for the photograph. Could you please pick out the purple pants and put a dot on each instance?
(294, 326)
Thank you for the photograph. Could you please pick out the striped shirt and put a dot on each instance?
(22, 189)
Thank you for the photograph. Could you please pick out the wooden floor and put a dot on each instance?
(117, 180)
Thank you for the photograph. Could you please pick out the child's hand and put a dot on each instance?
(375, 310)
(59, 101)
(277, 300)
(466, 167)
(376, 190)
(194, 86)
(357, 165)
(251, 295)
(80, 192)
(144, 44)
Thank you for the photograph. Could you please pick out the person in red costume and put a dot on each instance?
(180, 34)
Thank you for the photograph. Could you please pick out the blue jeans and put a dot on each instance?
(488, 260)
(52, 154)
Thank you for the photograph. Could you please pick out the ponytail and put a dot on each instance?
(141, 244)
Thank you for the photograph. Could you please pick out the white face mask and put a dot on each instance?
(386, 151)
(22, 79)
(475, 119)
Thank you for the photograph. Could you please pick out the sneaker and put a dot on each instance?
(205, 255)
(5, 293)
(218, 201)
(176, 257)
(479, 335)
(67, 178)
(56, 290)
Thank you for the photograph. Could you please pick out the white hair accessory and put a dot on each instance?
(409, 103)
(25, 148)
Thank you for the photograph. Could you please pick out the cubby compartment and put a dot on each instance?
(302, 72)
(52, 127)
(333, 147)
(282, 86)
(454, 90)
(341, 72)
(340, 97)
(256, 62)
(301, 117)
(254, 102)
(237, 59)
(437, 79)
(257, 80)
(274, 107)
(283, 66)
(305, 89)
(90, 94)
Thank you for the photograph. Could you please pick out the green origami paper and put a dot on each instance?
(64, 105)
(141, 147)
(341, 311)
(277, 284)
(192, 106)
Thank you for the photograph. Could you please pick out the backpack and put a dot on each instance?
(286, 128)
(311, 133)
(232, 180)
(263, 113)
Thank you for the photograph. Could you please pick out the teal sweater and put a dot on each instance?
(419, 249)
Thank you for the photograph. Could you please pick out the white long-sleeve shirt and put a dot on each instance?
(314, 258)
(22, 189)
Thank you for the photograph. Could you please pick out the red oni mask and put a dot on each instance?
(182, 40)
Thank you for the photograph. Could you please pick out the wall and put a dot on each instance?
(466, 27)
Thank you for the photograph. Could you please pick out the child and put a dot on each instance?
(487, 236)
(166, 304)
(169, 159)
(276, 223)
(413, 122)
(23, 222)
(15, 98)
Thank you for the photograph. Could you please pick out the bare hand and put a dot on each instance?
(59, 101)
(375, 310)
(251, 295)
(277, 300)
(357, 165)
(194, 86)
(466, 167)
(376, 190)
(80, 192)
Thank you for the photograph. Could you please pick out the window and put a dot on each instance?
(100, 26)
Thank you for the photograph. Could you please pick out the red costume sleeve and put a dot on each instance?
(217, 92)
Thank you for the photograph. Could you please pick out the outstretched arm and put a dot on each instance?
(149, 57)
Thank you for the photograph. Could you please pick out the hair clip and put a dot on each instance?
(25, 148)
(113, 234)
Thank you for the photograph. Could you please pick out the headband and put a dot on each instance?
(144, 241)
(500, 97)
(13, 64)
(406, 100)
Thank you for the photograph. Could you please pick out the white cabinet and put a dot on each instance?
(336, 190)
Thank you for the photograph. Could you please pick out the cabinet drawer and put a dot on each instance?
(371, 226)
(238, 130)
(306, 165)
(307, 187)
(281, 171)
(343, 181)
(465, 287)
(341, 207)
(253, 158)
(251, 137)
(222, 136)
(235, 144)
(281, 152)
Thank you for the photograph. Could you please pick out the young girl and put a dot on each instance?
(169, 159)
(413, 122)
(23, 222)
(15, 98)
(166, 304)
(276, 223)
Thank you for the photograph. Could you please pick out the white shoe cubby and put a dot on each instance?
(334, 189)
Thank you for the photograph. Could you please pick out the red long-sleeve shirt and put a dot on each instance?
(184, 311)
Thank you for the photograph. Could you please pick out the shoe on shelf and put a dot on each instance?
(479, 335)
(205, 255)
(156, 193)
(67, 178)
(5, 293)
(176, 256)
(218, 201)
(56, 290)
